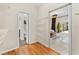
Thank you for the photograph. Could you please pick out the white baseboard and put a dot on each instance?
(7, 50)
(17, 47)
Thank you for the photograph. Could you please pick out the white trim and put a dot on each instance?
(7, 50)
(28, 13)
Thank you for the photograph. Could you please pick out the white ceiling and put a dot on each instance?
(37, 4)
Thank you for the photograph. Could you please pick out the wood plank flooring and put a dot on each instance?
(32, 49)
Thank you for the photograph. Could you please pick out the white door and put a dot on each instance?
(23, 28)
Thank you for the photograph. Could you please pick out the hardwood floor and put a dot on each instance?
(32, 49)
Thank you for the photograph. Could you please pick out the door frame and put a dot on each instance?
(18, 26)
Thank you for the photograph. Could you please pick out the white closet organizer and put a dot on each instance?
(61, 42)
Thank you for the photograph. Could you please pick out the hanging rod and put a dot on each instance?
(60, 7)
(62, 16)
(76, 13)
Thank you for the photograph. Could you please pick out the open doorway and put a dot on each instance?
(23, 28)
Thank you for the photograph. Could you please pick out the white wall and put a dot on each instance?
(75, 28)
(8, 20)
